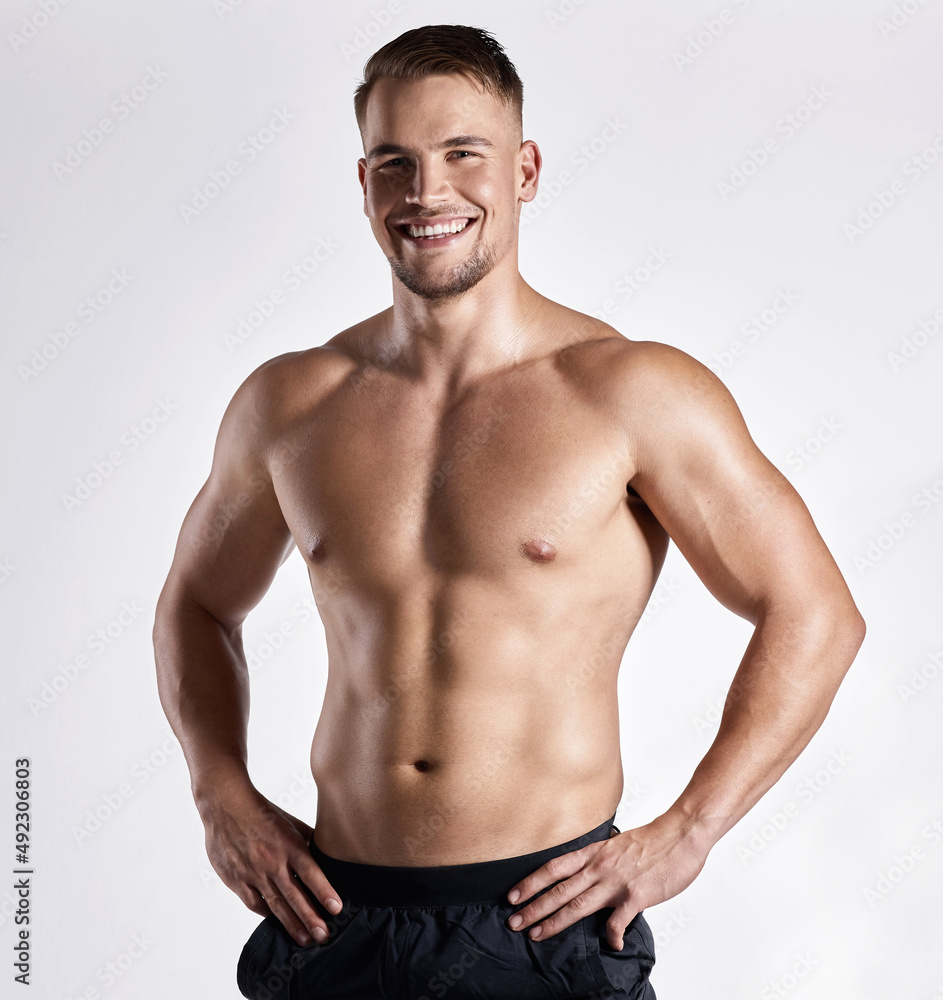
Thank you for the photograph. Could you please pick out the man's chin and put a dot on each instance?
(434, 292)
(447, 286)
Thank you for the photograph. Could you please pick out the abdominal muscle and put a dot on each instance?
(460, 726)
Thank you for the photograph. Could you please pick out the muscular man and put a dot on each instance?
(482, 483)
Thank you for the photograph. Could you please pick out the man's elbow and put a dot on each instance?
(827, 622)
(842, 629)
(854, 627)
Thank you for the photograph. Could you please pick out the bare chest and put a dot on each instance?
(382, 482)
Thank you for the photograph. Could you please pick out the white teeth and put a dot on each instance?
(438, 230)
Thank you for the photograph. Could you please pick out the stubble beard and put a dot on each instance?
(460, 278)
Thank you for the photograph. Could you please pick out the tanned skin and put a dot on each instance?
(483, 484)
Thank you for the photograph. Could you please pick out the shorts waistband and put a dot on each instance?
(441, 885)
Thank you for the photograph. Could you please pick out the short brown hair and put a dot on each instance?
(444, 48)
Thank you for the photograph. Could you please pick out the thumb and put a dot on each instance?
(620, 918)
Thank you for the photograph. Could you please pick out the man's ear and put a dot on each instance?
(530, 161)
(362, 173)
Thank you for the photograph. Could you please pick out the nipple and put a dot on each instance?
(316, 550)
(539, 550)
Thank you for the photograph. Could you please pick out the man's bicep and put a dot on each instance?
(234, 536)
(733, 515)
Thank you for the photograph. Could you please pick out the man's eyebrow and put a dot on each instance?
(467, 140)
(391, 149)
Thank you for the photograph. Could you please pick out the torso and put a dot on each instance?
(479, 566)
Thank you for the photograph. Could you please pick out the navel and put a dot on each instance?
(539, 550)
(421, 765)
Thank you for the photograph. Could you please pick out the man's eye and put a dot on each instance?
(397, 161)
(463, 152)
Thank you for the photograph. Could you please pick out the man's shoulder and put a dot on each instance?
(301, 378)
(312, 368)
(633, 371)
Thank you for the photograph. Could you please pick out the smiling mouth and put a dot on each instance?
(433, 233)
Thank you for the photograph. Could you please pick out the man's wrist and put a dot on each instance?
(216, 778)
(700, 828)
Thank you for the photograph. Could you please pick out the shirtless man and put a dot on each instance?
(482, 483)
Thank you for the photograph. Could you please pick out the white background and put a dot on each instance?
(835, 874)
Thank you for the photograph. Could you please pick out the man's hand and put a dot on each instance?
(261, 852)
(630, 871)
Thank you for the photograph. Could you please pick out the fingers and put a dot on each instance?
(254, 901)
(559, 907)
(287, 896)
(302, 927)
(311, 879)
(556, 869)
(621, 917)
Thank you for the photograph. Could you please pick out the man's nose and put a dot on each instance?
(429, 184)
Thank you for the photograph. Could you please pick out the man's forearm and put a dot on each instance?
(779, 697)
(203, 685)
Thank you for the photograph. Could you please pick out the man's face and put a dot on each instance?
(442, 153)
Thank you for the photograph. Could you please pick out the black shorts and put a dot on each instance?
(426, 933)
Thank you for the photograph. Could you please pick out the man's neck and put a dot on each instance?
(451, 342)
